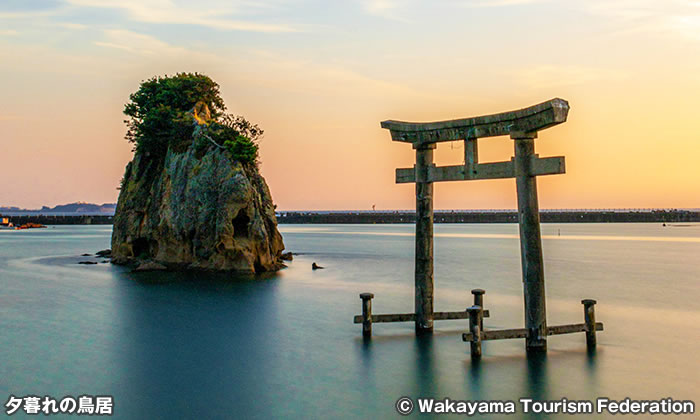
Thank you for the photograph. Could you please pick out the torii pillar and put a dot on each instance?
(424, 240)
(530, 242)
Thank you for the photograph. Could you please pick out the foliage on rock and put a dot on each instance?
(175, 112)
(238, 136)
(193, 197)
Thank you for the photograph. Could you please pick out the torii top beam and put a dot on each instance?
(526, 120)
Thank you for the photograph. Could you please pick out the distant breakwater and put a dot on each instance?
(617, 216)
(59, 220)
(367, 217)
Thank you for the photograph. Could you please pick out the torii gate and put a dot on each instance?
(522, 126)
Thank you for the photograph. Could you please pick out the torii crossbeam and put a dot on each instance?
(522, 126)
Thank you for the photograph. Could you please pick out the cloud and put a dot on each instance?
(8, 32)
(498, 3)
(379, 6)
(190, 13)
(69, 25)
(689, 26)
(43, 17)
(387, 9)
(628, 10)
(136, 43)
(28, 14)
(672, 17)
(549, 76)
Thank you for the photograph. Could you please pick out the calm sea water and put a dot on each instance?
(283, 346)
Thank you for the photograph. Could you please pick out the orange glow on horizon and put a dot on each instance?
(320, 92)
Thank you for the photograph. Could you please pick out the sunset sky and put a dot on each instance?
(319, 76)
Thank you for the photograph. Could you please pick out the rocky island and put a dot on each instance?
(193, 197)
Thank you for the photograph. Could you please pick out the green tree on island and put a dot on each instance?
(184, 109)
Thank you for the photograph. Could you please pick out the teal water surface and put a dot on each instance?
(179, 345)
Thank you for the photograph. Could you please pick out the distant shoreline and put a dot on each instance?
(398, 217)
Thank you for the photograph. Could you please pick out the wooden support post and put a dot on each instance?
(424, 240)
(437, 316)
(471, 157)
(475, 319)
(479, 301)
(589, 318)
(366, 313)
(530, 243)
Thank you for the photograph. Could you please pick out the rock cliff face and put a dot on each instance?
(196, 209)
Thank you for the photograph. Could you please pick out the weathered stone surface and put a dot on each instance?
(526, 120)
(196, 210)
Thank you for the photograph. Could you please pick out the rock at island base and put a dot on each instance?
(203, 212)
(150, 266)
(105, 253)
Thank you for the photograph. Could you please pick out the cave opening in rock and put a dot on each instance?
(140, 247)
(259, 268)
(240, 224)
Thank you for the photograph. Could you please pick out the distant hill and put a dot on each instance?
(64, 210)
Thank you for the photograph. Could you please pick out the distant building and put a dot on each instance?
(5, 221)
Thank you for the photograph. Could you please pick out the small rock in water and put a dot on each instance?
(287, 256)
(105, 253)
(87, 262)
(150, 266)
(85, 255)
(315, 266)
